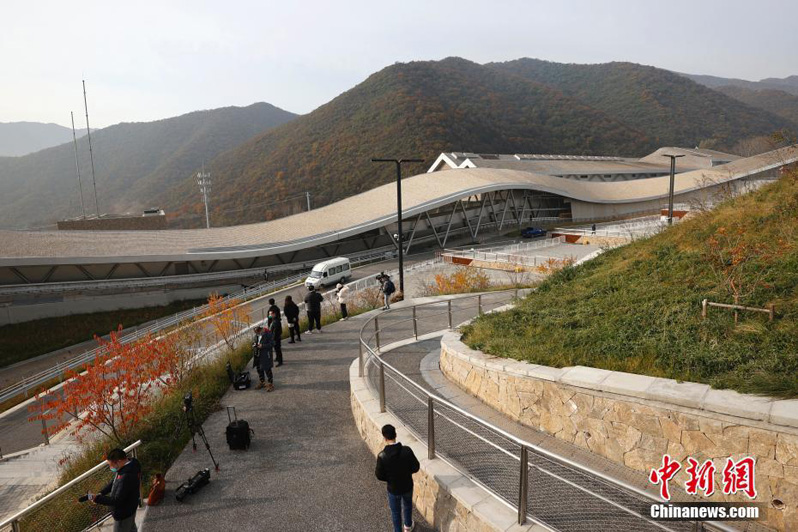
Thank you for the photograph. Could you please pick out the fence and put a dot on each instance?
(62, 503)
(540, 485)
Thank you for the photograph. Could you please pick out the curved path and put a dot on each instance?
(307, 468)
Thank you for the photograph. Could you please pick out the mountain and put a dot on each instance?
(669, 108)
(788, 84)
(416, 109)
(22, 138)
(135, 163)
(773, 101)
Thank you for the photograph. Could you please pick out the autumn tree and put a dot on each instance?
(226, 318)
(114, 392)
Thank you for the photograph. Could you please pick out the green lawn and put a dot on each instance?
(638, 308)
(21, 341)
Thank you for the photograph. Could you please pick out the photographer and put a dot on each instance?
(122, 493)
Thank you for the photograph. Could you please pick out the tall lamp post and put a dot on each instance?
(398, 163)
(204, 182)
(670, 190)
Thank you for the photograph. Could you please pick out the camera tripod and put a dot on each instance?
(195, 429)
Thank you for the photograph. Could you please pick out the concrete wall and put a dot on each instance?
(21, 310)
(447, 499)
(635, 420)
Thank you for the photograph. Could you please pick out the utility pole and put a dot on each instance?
(204, 182)
(307, 194)
(91, 154)
(398, 163)
(670, 190)
(77, 166)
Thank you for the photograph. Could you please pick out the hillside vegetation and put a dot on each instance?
(135, 164)
(668, 107)
(416, 109)
(773, 101)
(638, 308)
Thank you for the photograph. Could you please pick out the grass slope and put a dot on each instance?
(637, 308)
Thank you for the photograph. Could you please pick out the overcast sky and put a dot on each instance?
(148, 60)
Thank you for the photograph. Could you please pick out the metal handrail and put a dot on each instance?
(14, 519)
(374, 355)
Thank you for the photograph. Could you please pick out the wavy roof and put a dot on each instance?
(369, 210)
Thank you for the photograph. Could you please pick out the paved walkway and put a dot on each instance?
(307, 468)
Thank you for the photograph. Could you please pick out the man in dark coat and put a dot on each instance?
(396, 465)
(313, 306)
(276, 328)
(265, 345)
(122, 493)
(292, 316)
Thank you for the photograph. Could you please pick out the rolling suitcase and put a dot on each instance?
(238, 432)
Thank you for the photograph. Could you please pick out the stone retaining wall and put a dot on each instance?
(635, 420)
(447, 499)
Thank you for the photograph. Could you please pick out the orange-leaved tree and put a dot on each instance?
(113, 393)
(226, 318)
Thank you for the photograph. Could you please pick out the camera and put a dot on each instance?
(188, 402)
(193, 485)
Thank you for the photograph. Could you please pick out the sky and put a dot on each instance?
(145, 60)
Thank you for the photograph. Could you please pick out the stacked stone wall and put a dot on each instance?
(634, 420)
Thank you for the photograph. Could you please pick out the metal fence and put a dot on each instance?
(538, 484)
(60, 509)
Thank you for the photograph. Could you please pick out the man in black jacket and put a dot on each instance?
(313, 306)
(122, 493)
(396, 465)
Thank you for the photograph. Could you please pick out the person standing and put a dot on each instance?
(255, 350)
(395, 466)
(292, 317)
(313, 306)
(343, 299)
(265, 353)
(273, 307)
(122, 493)
(388, 289)
(276, 328)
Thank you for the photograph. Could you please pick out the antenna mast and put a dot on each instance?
(77, 166)
(204, 182)
(91, 154)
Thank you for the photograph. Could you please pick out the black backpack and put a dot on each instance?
(242, 381)
(389, 287)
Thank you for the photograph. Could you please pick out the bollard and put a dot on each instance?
(430, 428)
(479, 304)
(382, 388)
(449, 309)
(415, 323)
(377, 332)
(704, 308)
(44, 431)
(524, 485)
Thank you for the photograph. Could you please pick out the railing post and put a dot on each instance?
(430, 428)
(523, 488)
(479, 304)
(15, 526)
(415, 324)
(44, 431)
(382, 388)
(360, 360)
(449, 310)
(377, 332)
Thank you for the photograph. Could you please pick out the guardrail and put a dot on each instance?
(25, 385)
(538, 484)
(73, 516)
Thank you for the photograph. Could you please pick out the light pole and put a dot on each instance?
(398, 163)
(670, 190)
(204, 182)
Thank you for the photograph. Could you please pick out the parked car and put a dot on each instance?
(533, 232)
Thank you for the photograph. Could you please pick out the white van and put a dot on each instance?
(329, 272)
